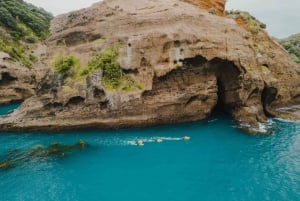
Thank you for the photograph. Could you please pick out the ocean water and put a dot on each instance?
(218, 163)
(8, 108)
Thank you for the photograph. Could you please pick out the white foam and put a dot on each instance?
(133, 142)
(212, 120)
(287, 120)
(171, 138)
(262, 127)
(286, 109)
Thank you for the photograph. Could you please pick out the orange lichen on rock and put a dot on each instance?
(241, 22)
(216, 6)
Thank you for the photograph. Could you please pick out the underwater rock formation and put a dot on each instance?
(19, 157)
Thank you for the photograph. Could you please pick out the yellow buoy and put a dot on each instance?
(186, 138)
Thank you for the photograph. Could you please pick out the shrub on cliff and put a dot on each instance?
(63, 64)
(247, 21)
(292, 45)
(113, 76)
(16, 12)
(108, 62)
(21, 24)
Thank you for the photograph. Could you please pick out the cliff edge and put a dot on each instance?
(144, 62)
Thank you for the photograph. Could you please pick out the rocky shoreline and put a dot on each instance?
(175, 63)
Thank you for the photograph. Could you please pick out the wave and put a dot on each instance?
(286, 120)
(287, 109)
(134, 142)
(262, 128)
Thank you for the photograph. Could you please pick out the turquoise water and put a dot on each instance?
(8, 108)
(218, 163)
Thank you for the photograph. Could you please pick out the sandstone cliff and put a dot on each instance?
(16, 83)
(213, 6)
(162, 61)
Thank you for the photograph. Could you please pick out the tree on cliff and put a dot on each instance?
(22, 24)
(20, 17)
(292, 45)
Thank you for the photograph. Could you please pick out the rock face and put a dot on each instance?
(16, 81)
(186, 61)
(213, 6)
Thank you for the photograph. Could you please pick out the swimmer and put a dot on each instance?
(140, 143)
(186, 138)
(158, 140)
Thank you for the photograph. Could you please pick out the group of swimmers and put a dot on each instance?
(158, 140)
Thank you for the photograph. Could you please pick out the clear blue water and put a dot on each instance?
(8, 108)
(218, 163)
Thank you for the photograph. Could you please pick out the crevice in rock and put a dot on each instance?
(220, 108)
(194, 62)
(192, 99)
(6, 78)
(146, 63)
(78, 37)
(98, 93)
(130, 71)
(267, 97)
(50, 83)
(296, 98)
(53, 105)
(254, 93)
(104, 105)
(188, 74)
(75, 101)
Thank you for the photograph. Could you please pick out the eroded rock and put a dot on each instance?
(184, 61)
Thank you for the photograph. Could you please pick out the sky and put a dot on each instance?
(281, 17)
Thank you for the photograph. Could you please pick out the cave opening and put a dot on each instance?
(220, 107)
(6, 78)
(75, 101)
(267, 97)
(227, 80)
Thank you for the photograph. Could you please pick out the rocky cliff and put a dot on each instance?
(144, 62)
(22, 30)
(213, 6)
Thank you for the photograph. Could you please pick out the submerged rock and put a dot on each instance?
(164, 61)
(18, 157)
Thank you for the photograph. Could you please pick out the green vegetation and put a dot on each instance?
(23, 19)
(252, 24)
(63, 64)
(22, 25)
(108, 62)
(292, 45)
(264, 69)
(16, 50)
(129, 84)
(249, 68)
(113, 76)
